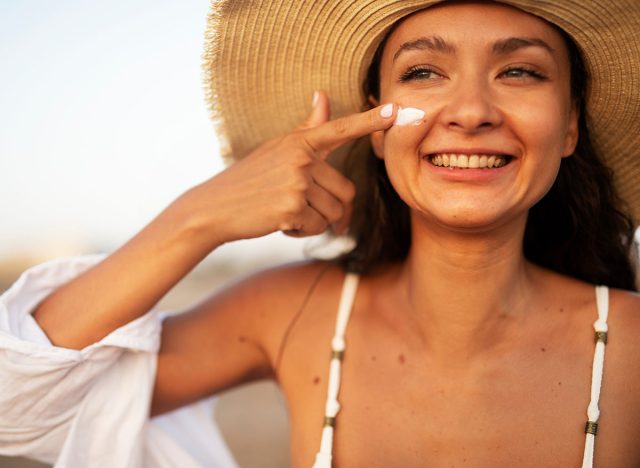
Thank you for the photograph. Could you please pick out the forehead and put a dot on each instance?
(478, 23)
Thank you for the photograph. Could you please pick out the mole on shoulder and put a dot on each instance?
(401, 359)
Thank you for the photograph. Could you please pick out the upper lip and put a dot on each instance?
(469, 151)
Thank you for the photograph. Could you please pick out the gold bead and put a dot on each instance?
(601, 336)
(335, 354)
(591, 427)
(329, 421)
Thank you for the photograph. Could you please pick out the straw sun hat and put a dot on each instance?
(264, 58)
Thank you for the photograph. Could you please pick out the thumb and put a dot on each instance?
(320, 111)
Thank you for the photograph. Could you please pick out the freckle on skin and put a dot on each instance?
(316, 380)
(543, 349)
(561, 309)
(559, 383)
(373, 358)
(401, 359)
(242, 339)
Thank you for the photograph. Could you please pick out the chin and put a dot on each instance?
(474, 220)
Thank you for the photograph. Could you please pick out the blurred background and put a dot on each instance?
(102, 124)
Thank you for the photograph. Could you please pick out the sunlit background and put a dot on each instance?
(102, 124)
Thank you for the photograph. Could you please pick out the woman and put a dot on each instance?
(469, 337)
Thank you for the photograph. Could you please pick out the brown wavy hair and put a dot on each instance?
(580, 228)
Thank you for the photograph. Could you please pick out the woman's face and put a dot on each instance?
(494, 83)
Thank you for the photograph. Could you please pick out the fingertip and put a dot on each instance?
(320, 112)
(386, 110)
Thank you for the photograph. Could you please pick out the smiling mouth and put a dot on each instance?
(469, 161)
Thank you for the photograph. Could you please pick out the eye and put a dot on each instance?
(420, 73)
(522, 73)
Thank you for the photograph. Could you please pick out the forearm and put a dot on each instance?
(126, 284)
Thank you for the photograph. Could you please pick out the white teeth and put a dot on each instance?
(473, 161)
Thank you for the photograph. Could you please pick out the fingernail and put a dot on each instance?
(408, 116)
(314, 99)
(386, 111)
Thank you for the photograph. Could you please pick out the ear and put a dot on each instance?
(571, 138)
(376, 138)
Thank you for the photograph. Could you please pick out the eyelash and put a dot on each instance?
(528, 72)
(413, 73)
(417, 73)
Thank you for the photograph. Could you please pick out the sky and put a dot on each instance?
(102, 122)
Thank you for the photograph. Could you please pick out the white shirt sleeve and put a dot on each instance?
(90, 407)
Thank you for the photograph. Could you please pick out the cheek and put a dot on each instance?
(402, 156)
(542, 124)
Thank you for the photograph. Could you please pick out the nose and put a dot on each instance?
(471, 108)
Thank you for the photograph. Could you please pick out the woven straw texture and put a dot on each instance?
(263, 59)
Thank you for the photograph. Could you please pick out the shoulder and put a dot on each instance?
(624, 324)
(624, 319)
(622, 356)
(281, 288)
(265, 304)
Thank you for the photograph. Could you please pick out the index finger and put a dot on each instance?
(335, 133)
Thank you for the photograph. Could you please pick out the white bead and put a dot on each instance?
(600, 325)
(332, 408)
(338, 344)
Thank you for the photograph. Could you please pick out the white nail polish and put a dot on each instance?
(386, 111)
(314, 99)
(408, 116)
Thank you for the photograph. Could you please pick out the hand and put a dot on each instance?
(287, 184)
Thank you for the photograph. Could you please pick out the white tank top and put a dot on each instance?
(324, 455)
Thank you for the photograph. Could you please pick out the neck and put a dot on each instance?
(462, 289)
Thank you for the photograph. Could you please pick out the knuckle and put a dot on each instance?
(298, 158)
(337, 211)
(349, 192)
(316, 228)
(293, 206)
(303, 159)
(341, 126)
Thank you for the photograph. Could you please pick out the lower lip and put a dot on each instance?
(468, 175)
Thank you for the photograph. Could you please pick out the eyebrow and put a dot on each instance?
(511, 44)
(433, 43)
(500, 47)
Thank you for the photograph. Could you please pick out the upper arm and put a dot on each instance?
(232, 338)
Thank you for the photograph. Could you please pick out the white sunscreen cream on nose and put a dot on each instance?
(408, 116)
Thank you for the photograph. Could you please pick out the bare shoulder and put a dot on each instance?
(278, 290)
(624, 326)
(265, 303)
(234, 336)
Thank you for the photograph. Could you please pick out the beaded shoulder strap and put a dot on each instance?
(323, 457)
(593, 412)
